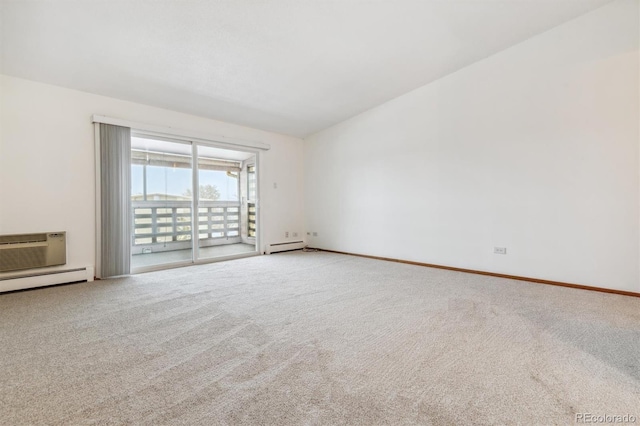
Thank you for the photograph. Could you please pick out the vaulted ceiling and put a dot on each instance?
(289, 66)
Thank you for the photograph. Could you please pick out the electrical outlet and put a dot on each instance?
(308, 233)
(500, 250)
(286, 234)
(294, 234)
(315, 234)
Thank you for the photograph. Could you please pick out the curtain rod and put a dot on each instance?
(182, 134)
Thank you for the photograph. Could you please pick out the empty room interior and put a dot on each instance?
(359, 212)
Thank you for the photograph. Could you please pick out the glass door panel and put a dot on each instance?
(221, 205)
(161, 200)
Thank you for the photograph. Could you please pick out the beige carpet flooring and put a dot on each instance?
(315, 338)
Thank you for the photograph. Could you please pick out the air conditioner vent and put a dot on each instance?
(23, 238)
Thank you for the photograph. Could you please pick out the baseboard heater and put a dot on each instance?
(278, 247)
(42, 279)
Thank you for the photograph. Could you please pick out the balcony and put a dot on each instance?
(163, 231)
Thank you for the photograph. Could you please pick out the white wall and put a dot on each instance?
(47, 170)
(534, 149)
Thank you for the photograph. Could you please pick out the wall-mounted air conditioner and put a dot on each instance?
(28, 251)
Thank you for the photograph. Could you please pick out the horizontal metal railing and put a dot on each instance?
(161, 222)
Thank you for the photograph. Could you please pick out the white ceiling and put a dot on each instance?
(290, 66)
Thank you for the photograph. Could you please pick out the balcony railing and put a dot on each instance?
(251, 222)
(167, 224)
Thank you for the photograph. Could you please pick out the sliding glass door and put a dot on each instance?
(169, 213)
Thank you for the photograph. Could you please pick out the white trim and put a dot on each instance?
(98, 228)
(180, 133)
(258, 204)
